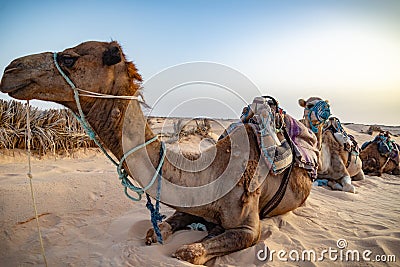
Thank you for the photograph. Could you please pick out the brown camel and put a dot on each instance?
(375, 163)
(336, 164)
(233, 220)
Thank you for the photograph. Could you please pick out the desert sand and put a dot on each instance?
(86, 220)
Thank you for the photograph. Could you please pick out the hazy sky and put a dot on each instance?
(345, 51)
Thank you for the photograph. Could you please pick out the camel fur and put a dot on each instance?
(333, 157)
(233, 220)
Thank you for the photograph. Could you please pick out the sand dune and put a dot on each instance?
(86, 220)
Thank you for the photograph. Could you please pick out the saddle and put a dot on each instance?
(276, 152)
(346, 140)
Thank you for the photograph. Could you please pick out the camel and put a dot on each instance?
(336, 163)
(374, 162)
(233, 219)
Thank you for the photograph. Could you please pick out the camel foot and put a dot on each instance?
(166, 231)
(335, 186)
(193, 253)
(349, 188)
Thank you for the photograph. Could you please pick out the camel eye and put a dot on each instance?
(68, 61)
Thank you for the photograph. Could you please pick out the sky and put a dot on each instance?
(208, 58)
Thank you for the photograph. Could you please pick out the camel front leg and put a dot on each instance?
(343, 184)
(335, 185)
(232, 236)
(229, 241)
(213, 231)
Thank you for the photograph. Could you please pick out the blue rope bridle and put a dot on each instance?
(122, 173)
(321, 111)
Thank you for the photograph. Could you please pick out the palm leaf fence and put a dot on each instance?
(53, 131)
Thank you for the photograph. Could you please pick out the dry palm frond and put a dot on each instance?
(52, 130)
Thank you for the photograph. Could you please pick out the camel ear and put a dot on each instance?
(302, 102)
(112, 56)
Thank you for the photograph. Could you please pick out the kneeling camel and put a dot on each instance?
(101, 68)
(336, 164)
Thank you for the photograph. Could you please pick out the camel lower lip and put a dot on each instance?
(14, 88)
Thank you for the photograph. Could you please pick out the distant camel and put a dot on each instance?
(336, 163)
(376, 162)
(101, 67)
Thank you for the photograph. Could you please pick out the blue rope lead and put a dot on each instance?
(155, 211)
(123, 176)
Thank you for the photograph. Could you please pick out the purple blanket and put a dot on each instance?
(305, 143)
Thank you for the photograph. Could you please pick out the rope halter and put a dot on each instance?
(321, 112)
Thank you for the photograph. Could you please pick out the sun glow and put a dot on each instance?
(338, 58)
(346, 63)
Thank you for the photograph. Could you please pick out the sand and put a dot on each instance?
(86, 220)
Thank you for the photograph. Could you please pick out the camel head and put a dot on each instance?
(98, 67)
(316, 112)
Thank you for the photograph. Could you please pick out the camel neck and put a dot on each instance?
(108, 119)
(318, 134)
(122, 133)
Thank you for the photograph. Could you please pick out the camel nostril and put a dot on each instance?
(8, 70)
(14, 66)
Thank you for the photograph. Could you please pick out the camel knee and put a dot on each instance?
(250, 238)
(240, 238)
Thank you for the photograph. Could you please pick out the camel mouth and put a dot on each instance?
(14, 88)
